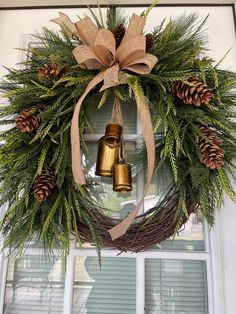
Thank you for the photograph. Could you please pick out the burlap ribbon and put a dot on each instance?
(99, 52)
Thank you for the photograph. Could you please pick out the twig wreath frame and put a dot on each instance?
(193, 120)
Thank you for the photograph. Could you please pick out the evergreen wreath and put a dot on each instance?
(193, 114)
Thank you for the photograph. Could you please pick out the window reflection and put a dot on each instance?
(110, 289)
(35, 284)
(175, 286)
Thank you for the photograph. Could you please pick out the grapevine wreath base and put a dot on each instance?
(184, 101)
(149, 229)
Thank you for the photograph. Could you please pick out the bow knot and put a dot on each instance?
(99, 50)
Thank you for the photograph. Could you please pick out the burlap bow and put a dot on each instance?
(99, 52)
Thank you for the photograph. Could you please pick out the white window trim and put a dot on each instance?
(140, 271)
(218, 286)
(46, 3)
(3, 276)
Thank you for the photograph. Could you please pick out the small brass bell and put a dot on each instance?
(113, 134)
(107, 156)
(122, 177)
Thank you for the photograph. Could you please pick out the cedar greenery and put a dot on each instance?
(188, 186)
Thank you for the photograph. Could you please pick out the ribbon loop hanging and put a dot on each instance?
(98, 52)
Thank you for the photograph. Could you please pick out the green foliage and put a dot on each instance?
(97, 16)
(177, 44)
(115, 17)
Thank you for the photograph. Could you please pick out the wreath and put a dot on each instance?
(190, 138)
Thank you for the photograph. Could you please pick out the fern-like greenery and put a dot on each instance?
(177, 44)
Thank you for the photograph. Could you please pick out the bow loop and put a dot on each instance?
(67, 27)
(105, 47)
(131, 50)
(86, 58)
(135, 28)
(87, 31)
(143, 65)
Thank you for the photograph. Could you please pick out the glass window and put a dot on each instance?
(110, 289)
(175, 286)
(35, 284)
(103, 115)
(189, 238)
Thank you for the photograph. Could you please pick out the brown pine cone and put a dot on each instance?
(119, 33)
(212, 155)
(29, 119)
(44, 184)
(51, 71)
(149, 42)
(197, 94)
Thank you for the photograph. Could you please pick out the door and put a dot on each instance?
(80, 289)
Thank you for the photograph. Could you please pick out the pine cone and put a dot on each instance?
(119, 33)
(44, 184)
(212, 155)
(29, 119)
(149, 42)
(51, 71)
(196, 95)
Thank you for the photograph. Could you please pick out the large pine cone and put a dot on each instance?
(44, 184)
(212, 155)
(197, 94)
(29, 119)
(149, 42)
(119, 33)
(51, 71)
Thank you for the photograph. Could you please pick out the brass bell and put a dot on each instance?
(106, 157)
(113, 134)
(122, 177)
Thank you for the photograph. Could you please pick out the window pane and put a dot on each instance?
(105, 290)
(190, 237)
(175, 286)
(103, 115)
(35, 284)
